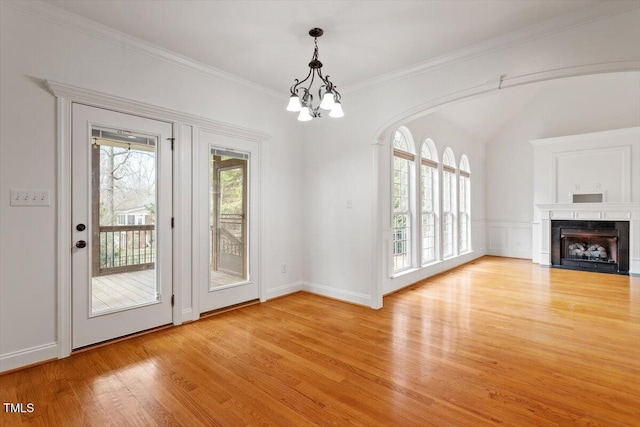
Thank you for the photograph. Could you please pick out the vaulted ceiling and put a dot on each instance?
(267, 42)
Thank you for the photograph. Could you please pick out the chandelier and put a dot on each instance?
(301, 99)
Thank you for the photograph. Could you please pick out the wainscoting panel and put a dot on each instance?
(509, 239)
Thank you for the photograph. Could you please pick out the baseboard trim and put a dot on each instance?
(339, 294)
(27, 357)
(283, 290)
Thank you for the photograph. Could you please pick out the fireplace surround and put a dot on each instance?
(601, 246)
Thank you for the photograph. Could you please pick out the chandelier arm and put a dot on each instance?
(294, 88)
(313, 76)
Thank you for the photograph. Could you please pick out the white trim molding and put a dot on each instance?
(29, 356)
(280, 291)
(533, 32)
(594, 211)
(91, 97)
(111, 35)
(337, 293)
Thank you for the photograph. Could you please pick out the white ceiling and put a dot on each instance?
(267, 42)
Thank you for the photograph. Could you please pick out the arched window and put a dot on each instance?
(428, 200)
(448, 203)
(403, 171)
(464, 210)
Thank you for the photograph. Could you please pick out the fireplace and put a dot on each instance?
(590, 245)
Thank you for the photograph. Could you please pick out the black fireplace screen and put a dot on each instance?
(589, 245)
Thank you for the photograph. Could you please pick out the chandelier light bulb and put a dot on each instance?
(327, 101)
(294, 103)
(304, 115)
(336, 110)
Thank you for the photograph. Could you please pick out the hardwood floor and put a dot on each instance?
(496, 342)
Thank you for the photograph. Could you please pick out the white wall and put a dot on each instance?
(345, 160)
(562, 107)
(34, 48)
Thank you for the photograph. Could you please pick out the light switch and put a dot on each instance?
(30, 198)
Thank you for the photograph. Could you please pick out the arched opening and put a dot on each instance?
(489, 134)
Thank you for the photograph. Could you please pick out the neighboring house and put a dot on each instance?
(135, 216)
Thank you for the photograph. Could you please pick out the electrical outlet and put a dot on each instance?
(30, 198)
(283, 269)
(349, 204)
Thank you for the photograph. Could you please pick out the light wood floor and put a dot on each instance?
(497, 342)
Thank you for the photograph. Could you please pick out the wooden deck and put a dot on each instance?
(117, 291)
(498, 342)
(219, 278)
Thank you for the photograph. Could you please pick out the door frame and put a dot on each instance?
(185, 127)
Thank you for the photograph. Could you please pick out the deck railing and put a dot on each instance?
(231, 234)
(125, 248)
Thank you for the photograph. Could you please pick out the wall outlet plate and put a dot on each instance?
(30, 198)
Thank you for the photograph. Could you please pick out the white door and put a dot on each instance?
(121, 230)
(228, 192)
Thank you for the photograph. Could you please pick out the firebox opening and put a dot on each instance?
(591, 245)
(588, 245)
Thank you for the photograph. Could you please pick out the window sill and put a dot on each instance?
(431, 264)
(404, 272)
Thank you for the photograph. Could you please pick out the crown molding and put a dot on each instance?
(81, 24)
(547, 28)
(99, 99)
(584, 137)
(500, 83)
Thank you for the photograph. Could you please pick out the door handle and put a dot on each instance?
(81, 227)
(81, 244)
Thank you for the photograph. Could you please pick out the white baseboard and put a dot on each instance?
(283, 290)
(340, 294)
(402, 281)
(29, 356)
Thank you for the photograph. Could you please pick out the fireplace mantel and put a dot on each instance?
(591, 211)
(545, 213)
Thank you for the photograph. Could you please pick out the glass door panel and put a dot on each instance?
(228, 218)
(123, 273)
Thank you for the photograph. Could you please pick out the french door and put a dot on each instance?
(121, 212)
(228, 192)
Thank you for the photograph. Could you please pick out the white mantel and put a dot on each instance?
(588, 212)
(606, 163)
